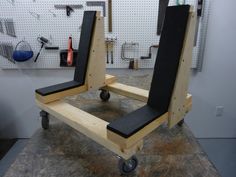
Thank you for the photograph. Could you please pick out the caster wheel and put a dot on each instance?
(180, 123)
(105, 95)
(45, 120)
(128, 166)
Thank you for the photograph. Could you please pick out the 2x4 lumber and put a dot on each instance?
(177, 108)
(95, 76)
(60, 95)
(89, 125)
(128, 91)
(110, 79)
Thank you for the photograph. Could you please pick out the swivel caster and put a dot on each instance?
(128, 166)
(44, 120)
(105, 95)
(180, 123)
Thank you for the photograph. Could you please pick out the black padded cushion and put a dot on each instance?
(58, 88)
(168, 57)
(86, 36)
(82, 60)
(165, 71)
(134, 121)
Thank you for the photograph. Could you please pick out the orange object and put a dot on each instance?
(70, 52)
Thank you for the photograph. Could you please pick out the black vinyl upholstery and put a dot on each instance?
(165, 71)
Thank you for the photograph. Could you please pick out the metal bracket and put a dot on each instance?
(98, 3)
(69, 8)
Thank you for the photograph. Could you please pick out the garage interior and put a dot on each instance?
(43, 43)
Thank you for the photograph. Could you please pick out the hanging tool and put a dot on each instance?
(43, 41)
(51, 48)
(98, 3)
(199, 14)
(10, 28)
(1, 27)
(150, 52)
(54, 15)
(112, 56)
(35, 15)
(6, 50)
(107, 44)
(109, 16)
(70, 52)
(161, 14)
(69, 8)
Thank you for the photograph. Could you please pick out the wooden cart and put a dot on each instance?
(167, 100)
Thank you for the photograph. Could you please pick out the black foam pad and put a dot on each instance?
(82, 59)
(165, 71)
(168, 57)
(86, 36)
(58, 88)
(134, 121)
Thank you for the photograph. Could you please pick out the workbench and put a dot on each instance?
(64, 152)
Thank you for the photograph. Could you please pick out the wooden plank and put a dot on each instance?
(60, 95)
(129, 142)
(87, 124)
(177, 108)
(110, 79)
(96, 67)
(128, 91)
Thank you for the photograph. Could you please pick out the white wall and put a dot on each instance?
(216, 84)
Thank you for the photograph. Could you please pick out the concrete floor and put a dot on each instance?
(222, 152)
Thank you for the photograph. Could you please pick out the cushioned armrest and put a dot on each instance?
(58, 88)
(134, 121)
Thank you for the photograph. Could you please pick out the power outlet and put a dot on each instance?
(219, 111)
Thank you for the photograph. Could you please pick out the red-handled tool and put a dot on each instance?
(70, 52)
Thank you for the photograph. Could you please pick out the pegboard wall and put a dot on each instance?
(133, 21)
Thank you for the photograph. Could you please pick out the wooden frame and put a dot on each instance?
(96, 128)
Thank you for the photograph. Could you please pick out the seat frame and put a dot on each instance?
(96, 128)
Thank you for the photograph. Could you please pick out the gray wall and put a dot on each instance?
(19, 116)
(214, 86)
